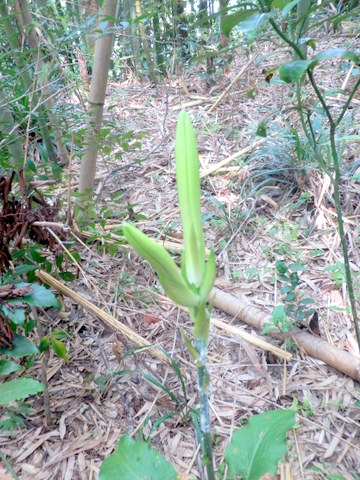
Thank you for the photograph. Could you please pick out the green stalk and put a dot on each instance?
(337, 178)
(348, 274)
(203, 386)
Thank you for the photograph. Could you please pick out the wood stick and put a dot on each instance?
(315, 346)
(108, 319)
(229, 87)
(228, 160)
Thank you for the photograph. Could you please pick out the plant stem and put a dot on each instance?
(205, 423)
(348, 275)
(337, 178)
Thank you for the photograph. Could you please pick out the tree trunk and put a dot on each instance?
(102, 54)
(145, 43)
(135, 43)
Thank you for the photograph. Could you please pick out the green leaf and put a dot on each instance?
(307, 301)
(18, 389)
(188, 185)
(257, 448)
(161, 261)
(135, 460)
(228, 22)
(287, 9)
(61, 334)
(40, 296)
(7, 366)
(281, 267)
(44, 344)
(15, 314)
(261, 130)
(278, 314)
(67, 276)
(334, 53)
(293, 71)
(21, 269)
(59, 349)
(280, 3)
(21, 347)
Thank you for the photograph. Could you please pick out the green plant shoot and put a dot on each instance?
(191, 285)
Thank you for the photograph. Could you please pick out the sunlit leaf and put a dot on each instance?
(228, 22)
(293, 71)
(256, 449)
(59, 349)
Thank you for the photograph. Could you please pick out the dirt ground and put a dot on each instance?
(258, 209)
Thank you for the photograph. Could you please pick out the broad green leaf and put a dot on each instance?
(21, 347)
(188, 185)
(292, 71)
(59, 349)
(15, 314)
(7, 366)
(257, 448)
(334, 53)
(245, 23)
(287, 9)
(18, 389)
(161, 261)
(135, 460)
(40, 297)
(228, 22)
(280, 3)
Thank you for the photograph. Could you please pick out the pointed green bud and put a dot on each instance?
(188, 184)
(169, 274)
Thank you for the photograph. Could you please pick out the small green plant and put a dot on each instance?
(296, 309)
(320, 123)
(303, 408)
(15, 297)
(255, 449)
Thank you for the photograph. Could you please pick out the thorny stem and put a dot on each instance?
(337, 178)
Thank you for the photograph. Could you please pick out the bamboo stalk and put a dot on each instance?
(315, 346)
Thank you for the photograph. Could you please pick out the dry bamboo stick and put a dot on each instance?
(108, 319)
(315, 346)
(228, 160)
(257, 342)
(193, 103)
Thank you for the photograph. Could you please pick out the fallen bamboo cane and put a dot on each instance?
(99, 313)
(315, 346)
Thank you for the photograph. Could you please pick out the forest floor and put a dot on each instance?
(263, 207)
